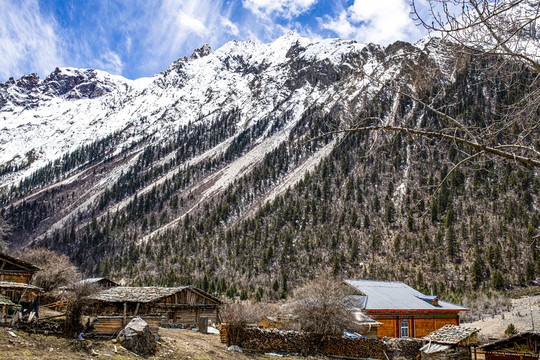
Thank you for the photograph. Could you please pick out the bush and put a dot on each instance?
(56, 269)
(511, 330)
(321, 307)
(239, 315)
(78, 303)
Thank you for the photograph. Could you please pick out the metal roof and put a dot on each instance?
(450, 334)
(94, 280)
(431, 348)
(395, 295)
(90, 280)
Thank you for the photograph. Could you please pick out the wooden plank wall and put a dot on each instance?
(388, 328)
(18, 278)
(424, 327)
(188, 296)
(421, 326)
(111, 325)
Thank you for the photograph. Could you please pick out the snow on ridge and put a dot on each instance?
(249, 76)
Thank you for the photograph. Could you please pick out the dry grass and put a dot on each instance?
(174, 344)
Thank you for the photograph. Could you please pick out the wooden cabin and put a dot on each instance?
(180, 306)
(15, 277)
(403, 311)
(523, 346)
(15, 270)
(449, 342)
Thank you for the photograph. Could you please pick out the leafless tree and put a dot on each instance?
(77, 295)
(56, 269)
(507, 33)
(320, 306)
(236, 316)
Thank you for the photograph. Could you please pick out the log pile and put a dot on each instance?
(294, 342)
(403, 348)
(41, 327)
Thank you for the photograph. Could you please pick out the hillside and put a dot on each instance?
(215, 172)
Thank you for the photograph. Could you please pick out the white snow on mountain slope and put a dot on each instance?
(249, 76)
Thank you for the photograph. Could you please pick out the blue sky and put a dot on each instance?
(137, 38)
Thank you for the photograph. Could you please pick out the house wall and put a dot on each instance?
(191, 316)
(19, 295)
(419, 325)
(15, 277)
(184, 307)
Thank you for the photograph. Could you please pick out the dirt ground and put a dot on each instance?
(174, 344)
(519, 315)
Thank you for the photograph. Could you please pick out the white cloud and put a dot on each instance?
(381, 22)
(230, 27)
(192, 24)
(341, 26)
(28, 40)
(110, 62)
(187, 24)
(286, 8)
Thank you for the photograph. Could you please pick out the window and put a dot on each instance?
(405, 329)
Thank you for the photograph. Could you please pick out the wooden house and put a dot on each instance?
(15, 270)
(180, 306)
(15, 277)
(449, 342)
(523, 346)
(403, 311)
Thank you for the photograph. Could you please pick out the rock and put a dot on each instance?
(235, 348)
(137, 337)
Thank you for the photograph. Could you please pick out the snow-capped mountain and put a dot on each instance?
(217, 165)
(45, 119)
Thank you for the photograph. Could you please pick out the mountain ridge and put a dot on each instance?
(218, 167)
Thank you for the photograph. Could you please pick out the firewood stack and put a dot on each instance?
(41, 327)
(405, 347)
(294, 342)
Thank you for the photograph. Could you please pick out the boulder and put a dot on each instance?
(137, 337)
(235, 348)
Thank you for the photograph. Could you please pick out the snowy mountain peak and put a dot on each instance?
(201, 52)
(69, 83)
(43, 120)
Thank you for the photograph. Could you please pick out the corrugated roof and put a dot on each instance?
(431, 348)
(90, 280)
(395, 295)
(450, 334)
(356, 302)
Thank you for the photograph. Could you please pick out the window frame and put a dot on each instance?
(405, 325)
